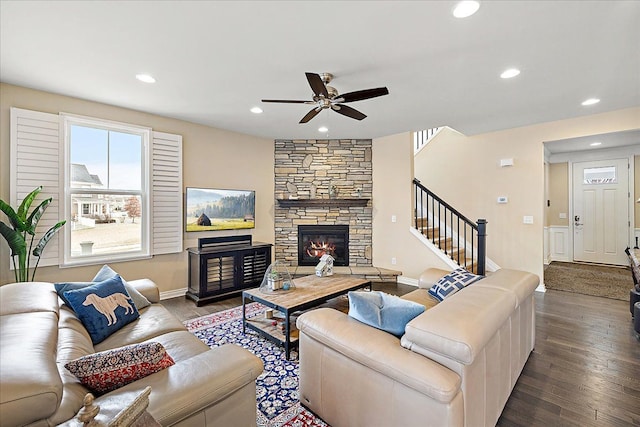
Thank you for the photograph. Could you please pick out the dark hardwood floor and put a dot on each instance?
(584, 370)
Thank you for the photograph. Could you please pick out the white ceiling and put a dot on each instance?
(213, 61)
(583, 143)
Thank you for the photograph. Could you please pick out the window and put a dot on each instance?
(602, 175)
(113, 174)
(107, 191)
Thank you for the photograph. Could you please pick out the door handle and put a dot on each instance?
(576, 220)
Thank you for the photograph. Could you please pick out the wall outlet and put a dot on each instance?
(563, 215)
(394, 218)
(527, 219)
(503, 199)
(394, 261)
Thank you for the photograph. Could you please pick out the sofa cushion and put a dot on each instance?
(111, 369)
(383, 311)
(452, 283)
(30, 387)
(102, 308)
(154, 321)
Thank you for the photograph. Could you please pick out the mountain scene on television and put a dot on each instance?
(213, 209)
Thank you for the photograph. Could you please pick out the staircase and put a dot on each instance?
(460, 239)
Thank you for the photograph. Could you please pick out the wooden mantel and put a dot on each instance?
(291, 203)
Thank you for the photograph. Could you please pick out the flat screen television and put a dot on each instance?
(210, 209)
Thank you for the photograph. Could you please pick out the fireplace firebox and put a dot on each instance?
(317, 240)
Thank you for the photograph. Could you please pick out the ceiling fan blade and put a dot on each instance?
(310, 115)
(286, 101)
(345, 110)
(317, 85)
(359, 95)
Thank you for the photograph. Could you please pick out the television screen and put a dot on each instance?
(215, 209)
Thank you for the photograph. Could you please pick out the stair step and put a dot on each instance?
(421, 222)
(430, 232)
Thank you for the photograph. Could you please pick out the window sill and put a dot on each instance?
(103, 260)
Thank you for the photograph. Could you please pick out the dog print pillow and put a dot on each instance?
(103, 308)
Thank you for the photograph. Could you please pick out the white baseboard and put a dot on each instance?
(173, 294)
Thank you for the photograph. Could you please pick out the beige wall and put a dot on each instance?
(558, 193)
(392, 189)
(636, 187)
(466, 172)
(211, 158)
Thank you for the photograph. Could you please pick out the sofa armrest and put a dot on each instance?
(379, 351)
(431, 276)
(197, 383)
(147, 288)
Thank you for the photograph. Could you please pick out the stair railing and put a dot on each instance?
(421, 137)
(466, 236)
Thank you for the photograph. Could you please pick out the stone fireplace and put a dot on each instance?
(317, 240)
(305, 171)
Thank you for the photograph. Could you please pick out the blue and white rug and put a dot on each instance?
(277, 387)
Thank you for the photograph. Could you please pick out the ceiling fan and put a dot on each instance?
(327, 97)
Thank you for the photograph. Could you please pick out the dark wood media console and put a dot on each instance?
(221, 267)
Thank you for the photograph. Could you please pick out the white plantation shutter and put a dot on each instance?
(166, 193)
(36, 159)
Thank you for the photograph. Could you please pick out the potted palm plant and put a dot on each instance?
(23, 231)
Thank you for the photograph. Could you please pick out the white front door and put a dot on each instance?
(601, 211)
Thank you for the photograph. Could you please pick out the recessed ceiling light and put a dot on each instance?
(466, 8)
(256, 110)
(591, 101)
(145, 78)
(595, 144)
(323, 129)
(511, 72)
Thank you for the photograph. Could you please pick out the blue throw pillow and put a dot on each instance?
(383, 311)
(107, 272)
(102, 308)
(139, 300)
(452, 283)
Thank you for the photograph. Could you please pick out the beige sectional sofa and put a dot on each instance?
(455, 365)
(39, 334)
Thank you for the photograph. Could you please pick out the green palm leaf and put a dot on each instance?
(34, 218)
(16, 222)
(26, 203)
(37, 251)
(14, 239)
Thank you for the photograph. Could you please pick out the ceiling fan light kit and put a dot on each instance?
(327, 97)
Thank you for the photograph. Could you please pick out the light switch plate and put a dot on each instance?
(527, 219)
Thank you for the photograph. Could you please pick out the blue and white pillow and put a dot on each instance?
(102, 308)
(383, 311)
(453, 282)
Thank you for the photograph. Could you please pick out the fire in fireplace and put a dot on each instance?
(317, 240)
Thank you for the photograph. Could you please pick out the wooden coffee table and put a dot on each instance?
(309, 292)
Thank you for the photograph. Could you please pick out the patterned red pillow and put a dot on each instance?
(110, 369)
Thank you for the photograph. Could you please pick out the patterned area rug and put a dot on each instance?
(588, 279)
(277, 387)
